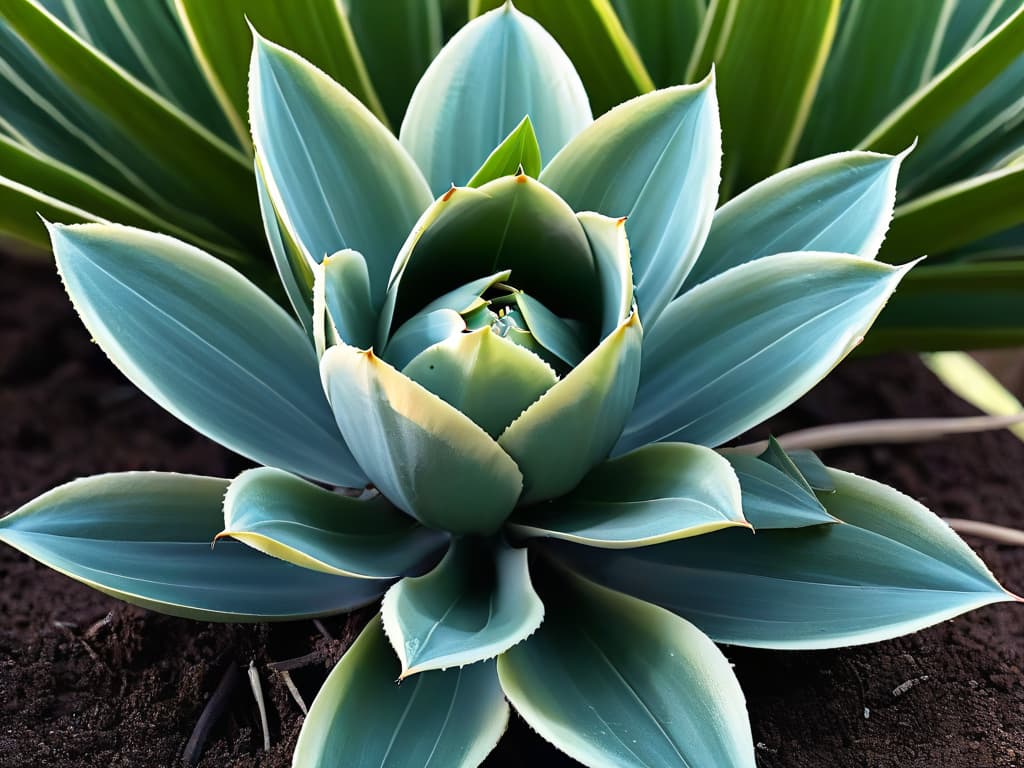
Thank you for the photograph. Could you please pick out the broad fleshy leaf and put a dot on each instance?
(774, 499)
(890, 567)
(337, 178)
(737, 349)
(594, 39)
(613, 681)
(206, 344)
(289, 518)
(476, 604)
(550, 331)
(419, 333)
(514, 223)
(488, 378)
(841, 203)
(295, 268)
(608, 242)
(347, 298)
(575, 423)
(145, 537)
(518, 153)
(654, 494)
(362, 715)
(426, 458)
(496, 70)
(655, 160)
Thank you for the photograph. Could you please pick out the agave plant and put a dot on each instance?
(492, 409)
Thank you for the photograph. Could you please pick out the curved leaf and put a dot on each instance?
(655, 160)
(774, 499)
(347, 299)
(513, 223)
(421, 332)
(144, 537)
(574, 424)
(493, 72)
(593, 37)
(841, 203)
(286, 517)
(294, 267)
(518, 153)
(737, 349)
(489, 379)
(654, 494)
(890, 568)
(205, 344)
(608, 242)
(335, 175)
(413, 445)
(450, 719)
(655, 691)
(550, 331)
(476, 604)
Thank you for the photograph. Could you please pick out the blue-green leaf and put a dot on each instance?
(774, 499)
(656, 160)
(654, 494)
(294, 266)
(575, 423)
(519, 152)
(363, 716)
(737, 349)
(612, 255)
(841, 203)
(490, 379)
(614, 681)
(550, 331)
(413, 446)
(144, 537)
(890, 567)
(476, 604)
(499, 68)
(344, 282)
(420, 332)
(289, 518)
(337, 178)
(205, 344)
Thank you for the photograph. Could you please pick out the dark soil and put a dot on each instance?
(86, 681)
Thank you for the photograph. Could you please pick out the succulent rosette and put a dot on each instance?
(519, 338)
